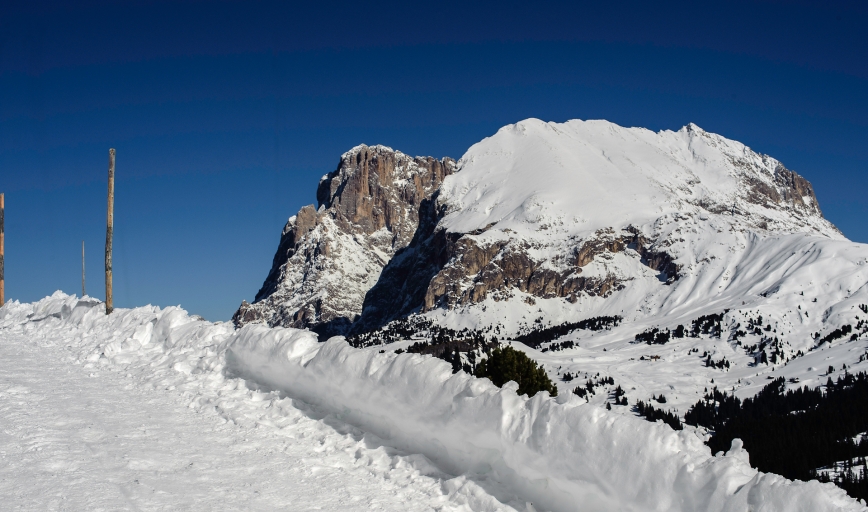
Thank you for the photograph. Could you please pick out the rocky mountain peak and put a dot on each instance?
(373, 187)
(329, 256)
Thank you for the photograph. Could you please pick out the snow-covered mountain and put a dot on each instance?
(586, 218)
(563, 221)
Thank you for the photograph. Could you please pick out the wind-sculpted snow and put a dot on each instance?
(559, 455)
(294, 456)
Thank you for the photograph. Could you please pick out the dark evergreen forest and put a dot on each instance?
(795, 432)
(536, 337)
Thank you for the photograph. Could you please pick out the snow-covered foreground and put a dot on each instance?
(206, 416)
(95, 440)
(130, 432)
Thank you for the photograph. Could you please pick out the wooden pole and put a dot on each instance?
(83, 292)
(2, 243)
(109, 232)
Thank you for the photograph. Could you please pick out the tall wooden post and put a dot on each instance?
(109, 232)
(83, 292)
(2, 243)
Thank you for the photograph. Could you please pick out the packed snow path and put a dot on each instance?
(81, 440)
(146, 409)
(73, 438)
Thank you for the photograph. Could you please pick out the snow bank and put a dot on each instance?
(558, 454)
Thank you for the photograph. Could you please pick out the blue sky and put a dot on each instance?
(225, 114)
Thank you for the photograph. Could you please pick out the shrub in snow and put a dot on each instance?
(507, 364)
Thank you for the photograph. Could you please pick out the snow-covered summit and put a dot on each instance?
(580, 176)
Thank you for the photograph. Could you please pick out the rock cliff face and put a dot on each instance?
(441, 270)
(503, 266)
(540, 214)
(330, 256)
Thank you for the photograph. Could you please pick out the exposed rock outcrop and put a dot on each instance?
(330, 256)
(448, 270)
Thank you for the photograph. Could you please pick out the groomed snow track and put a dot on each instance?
(558, 454)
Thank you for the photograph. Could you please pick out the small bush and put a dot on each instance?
(506, 364)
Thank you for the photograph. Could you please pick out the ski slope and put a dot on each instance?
(270, 418)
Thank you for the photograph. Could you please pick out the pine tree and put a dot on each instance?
(507, 364)
(456, 362)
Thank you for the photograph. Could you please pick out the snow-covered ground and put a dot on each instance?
(678, 368)
(154, 409)
(153, 428)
